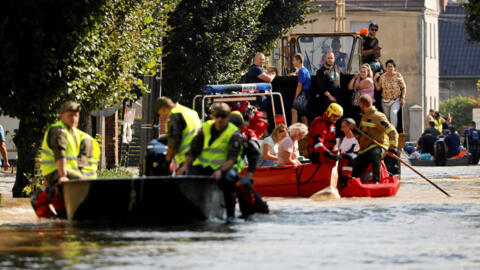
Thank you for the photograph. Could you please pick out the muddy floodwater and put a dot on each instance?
(420, 228)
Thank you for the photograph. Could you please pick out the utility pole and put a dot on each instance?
(340, 16)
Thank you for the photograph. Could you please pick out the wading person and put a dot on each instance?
(3, 149)
(249, 200)
(376, 126)
(472, 142)
(394, 90)
(215, 151)
(304, 82)
(322, 135)
(182, 124)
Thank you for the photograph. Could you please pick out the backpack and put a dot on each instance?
(475, 135)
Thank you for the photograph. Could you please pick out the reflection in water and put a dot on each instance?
(420, 228)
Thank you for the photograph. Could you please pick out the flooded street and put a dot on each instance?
(420, 228)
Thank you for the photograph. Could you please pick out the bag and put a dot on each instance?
(356, 98)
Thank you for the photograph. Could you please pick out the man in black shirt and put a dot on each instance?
(426, 142)
(328, 91)
(371, 49)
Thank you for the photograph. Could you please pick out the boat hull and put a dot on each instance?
(389, 186)
(159, 200)
(292, 181)
(461, 161)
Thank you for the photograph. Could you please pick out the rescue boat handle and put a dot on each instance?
(400, 160)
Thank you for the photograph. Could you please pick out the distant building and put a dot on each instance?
(408, 33)
(459, 59)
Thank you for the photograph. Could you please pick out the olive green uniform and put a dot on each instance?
(57, 141)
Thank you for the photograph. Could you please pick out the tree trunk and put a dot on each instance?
(28, 140)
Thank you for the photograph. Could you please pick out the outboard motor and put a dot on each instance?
(440, 151)
(155, 160)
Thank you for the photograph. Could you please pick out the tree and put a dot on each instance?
(207, 44)
(276, 19)
(472, 20)
(89, 51)
(460, 108)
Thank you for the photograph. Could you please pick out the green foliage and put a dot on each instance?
(207, 44)
(472, 21)
(123, 45)
(114, 173)
(34, 183)
(94, 52)
(460, 108)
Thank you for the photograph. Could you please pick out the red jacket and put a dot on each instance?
(321, 138)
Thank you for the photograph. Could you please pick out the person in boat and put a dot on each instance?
(376, 126)
(249, 200)
(452, 141)
(269, 147)
(426, 142)
(329, 91)
(432, 130)
(348, 147)
(288, 153)
(472, 142)
(89, 156)
(182, 124)
(322, 136)
(62, 147)
(216, 151)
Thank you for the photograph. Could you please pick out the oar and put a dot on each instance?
(400, 160)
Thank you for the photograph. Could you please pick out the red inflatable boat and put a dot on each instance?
(389, 185)
(292, 181)
(306, 179)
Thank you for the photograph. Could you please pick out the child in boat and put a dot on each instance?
(288, 149)
(269, 147)
(349, 147)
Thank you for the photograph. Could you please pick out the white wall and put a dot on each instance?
(9, 125)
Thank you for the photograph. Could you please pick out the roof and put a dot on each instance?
(327, 5)
(458, 57)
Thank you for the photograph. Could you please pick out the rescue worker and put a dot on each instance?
(59, 153)
(249, 200)
(182, 124)
(472, 142)
(215, 151)
(375, 125)
(322, 135)
(89, 156)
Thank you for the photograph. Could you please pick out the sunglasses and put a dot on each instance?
(374, 29)
(220, 115)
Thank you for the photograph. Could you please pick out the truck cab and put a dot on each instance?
(347, 48)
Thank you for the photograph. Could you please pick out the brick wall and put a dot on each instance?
(111, 140)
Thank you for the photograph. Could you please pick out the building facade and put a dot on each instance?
(408, 33)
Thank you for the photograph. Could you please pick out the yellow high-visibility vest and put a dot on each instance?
(215, 154)
(193, 124)
(48, 164)
(90, 169)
